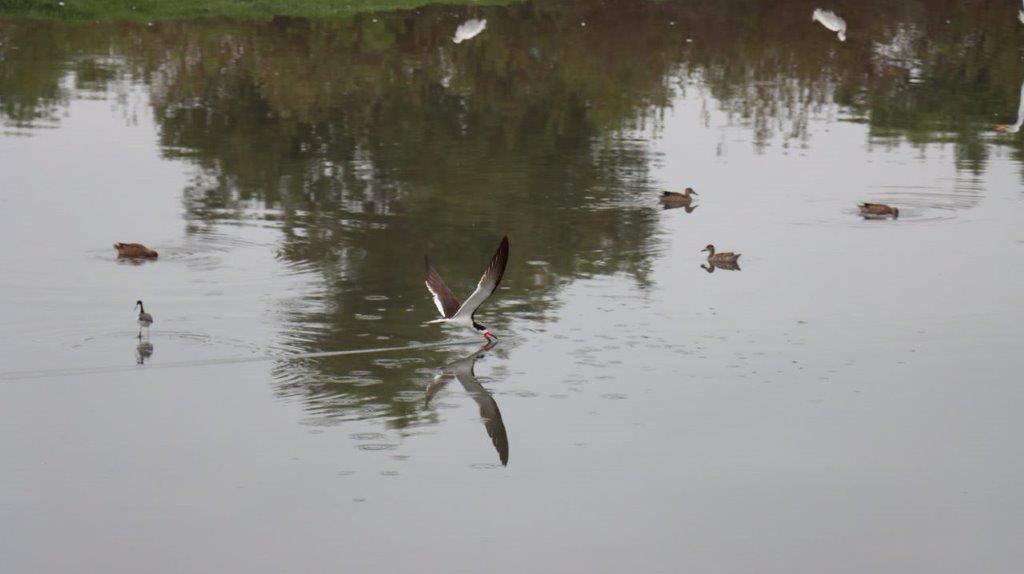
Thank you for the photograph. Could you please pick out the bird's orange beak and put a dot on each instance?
(489, 335)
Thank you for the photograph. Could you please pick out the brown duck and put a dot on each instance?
(676, 199)
(724, 257)
(878, 210)
(135, 251)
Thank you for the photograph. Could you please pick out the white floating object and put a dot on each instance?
(832, 21)
(469, 30)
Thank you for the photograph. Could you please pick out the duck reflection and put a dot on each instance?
(727, 265)
(462, 369)
(143, 352)
(687, 208)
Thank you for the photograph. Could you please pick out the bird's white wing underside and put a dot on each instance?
(437, 299)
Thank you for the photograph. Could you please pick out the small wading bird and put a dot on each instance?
(134, 250)
(878, 211)
(720, 259)
(462, 314)
(672, 199)
(145, 319)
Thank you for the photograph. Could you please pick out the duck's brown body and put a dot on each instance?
(134, 250)
(723, 258)
(878, 210)
(676, 199)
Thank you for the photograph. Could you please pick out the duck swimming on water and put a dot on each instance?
(135, 251)
(675, 199)
(722, 258)
(878, 210)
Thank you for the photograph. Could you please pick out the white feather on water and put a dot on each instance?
(832, 21)
(469, 30)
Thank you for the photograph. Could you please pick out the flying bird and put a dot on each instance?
(461, 314)
(469, 30)
(832, 21)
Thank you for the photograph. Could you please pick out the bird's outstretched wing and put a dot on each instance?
(488, 282)
(446, 302)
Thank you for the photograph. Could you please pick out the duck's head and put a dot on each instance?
(689, 191)
(895, 212)
(710, 249)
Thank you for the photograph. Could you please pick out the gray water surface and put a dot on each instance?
(847, 401)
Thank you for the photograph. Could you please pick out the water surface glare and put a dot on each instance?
(841, 400)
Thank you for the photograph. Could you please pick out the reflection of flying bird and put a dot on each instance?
(145, 319)
(832, 21)
(463, 371)
(1020, 116)
(469, 30)
(462, 314)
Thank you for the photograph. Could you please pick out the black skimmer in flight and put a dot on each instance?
(462, 313)
(463, 371)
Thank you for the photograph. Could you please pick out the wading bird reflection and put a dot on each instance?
(462, 369)
(143, 352)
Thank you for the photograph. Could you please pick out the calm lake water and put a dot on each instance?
(847, 402)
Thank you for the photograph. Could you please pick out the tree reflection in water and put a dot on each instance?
(369, 140)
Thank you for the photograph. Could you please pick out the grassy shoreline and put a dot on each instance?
(150, 10)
